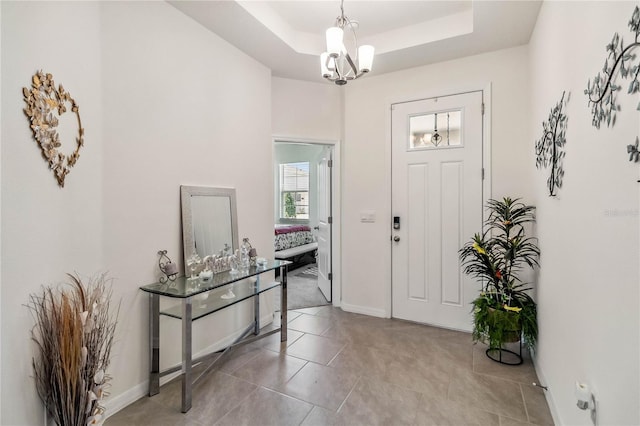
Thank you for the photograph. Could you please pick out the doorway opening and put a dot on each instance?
(303, 220)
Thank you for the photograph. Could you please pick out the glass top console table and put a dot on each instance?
(185, 289)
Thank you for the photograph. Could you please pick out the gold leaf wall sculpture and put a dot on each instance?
(45, 104)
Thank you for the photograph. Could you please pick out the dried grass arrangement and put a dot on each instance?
(73, 334)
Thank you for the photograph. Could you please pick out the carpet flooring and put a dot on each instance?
(302, 288)
(309, 272)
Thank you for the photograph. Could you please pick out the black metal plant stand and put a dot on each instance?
(518, 356)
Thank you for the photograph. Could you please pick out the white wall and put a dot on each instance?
(366, 178)
(588, 281)
(46, 231)
(160, 109)
(175, 115)
(0, 219)
(301, 109)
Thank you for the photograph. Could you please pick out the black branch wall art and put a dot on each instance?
(550, 147)
(604, 88)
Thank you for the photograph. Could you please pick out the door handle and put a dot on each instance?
(317, 228)
(396, 238)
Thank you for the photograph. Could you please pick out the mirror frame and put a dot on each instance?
(186, 192)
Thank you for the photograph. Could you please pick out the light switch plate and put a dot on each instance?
(367, 216)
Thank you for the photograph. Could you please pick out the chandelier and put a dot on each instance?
(336, 63)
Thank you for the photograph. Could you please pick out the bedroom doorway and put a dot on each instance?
(303, 219)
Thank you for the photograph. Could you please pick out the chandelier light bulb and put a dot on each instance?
(365, 57)
(334, 41)
(324, 65)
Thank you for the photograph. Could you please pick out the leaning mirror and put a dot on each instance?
(209, 221)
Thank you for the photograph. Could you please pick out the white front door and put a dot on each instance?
(324, 224)
(437, 204)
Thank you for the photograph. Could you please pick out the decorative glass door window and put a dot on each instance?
(438, 130)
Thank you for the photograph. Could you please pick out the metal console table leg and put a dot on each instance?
(283, 304)
(154, 344)
(186, 355)
(256, 308)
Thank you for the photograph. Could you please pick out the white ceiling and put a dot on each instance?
(288, 36)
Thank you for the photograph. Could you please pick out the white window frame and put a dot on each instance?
(295, 191)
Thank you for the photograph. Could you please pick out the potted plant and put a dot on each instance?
(504, 311)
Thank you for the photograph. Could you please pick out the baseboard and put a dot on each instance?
(548, 394)
(113, 404)
(365, 310)
(116, 403)
(266, 320)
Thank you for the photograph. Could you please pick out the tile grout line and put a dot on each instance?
(295, 397)
(524, 402)
(308, 414)
(344, 345)
(292, 397)
(488, 410)
(349, 394)
(299, 370)
(449, 389)
(241, 401)
(251, 358)
(493, 375)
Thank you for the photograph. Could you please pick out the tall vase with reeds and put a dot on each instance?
(73, 335)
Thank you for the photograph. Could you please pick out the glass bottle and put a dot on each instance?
(193, 263)
(245, 249)
(234, 262)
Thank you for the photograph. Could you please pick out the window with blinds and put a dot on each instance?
(294, 190)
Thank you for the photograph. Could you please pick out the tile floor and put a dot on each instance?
(339, 368)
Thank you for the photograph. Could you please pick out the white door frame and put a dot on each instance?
(486, 159)
(336, 210)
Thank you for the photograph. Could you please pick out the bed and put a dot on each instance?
(293, 240)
